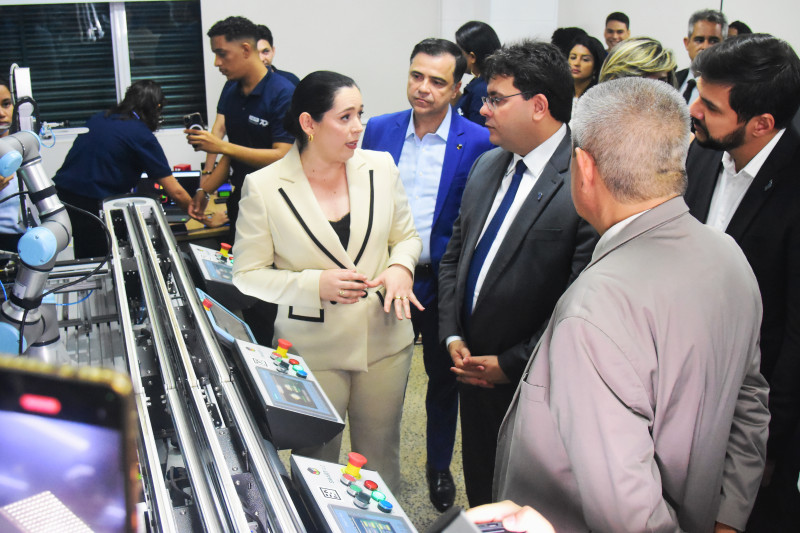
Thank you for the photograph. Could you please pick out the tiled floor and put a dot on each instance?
(413, 496)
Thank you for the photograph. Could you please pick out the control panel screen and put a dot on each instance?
(218, 271)
(358, 521)
(294, 393)
(230, 324)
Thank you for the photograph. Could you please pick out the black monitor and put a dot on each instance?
(188, 179)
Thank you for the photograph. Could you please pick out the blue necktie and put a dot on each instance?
(481, 251)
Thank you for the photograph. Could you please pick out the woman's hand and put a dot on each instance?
(342, 286)
(399, 283)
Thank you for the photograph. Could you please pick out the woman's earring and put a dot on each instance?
(310, 137)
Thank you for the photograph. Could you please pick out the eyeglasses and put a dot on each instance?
(492, 101)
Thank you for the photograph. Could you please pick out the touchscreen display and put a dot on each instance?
(295, 394)
(219, 271)
(363, 521)
(230, 324)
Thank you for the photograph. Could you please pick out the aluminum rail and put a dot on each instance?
(161, 503)
(209, 508)
(283, 516)
(203, 421)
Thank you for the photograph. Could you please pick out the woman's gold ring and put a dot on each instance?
(341, 292)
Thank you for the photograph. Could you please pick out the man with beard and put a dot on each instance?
(743, 179)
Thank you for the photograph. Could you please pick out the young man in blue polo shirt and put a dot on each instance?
(252, 106)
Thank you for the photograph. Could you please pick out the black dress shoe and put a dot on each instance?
(442, 488)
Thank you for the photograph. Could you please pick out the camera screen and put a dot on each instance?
(61, 473)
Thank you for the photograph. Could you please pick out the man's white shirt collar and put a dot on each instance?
(442, 131)
(537, 158)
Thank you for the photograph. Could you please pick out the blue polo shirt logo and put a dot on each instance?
(258, 121)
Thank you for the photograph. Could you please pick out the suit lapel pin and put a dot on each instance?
(459, 146)
(768, 186)
(538, 197)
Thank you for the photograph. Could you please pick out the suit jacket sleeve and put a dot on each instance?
(448, 307)
(605, 431)
(784, 396)
(253, 270)
(746, 451)
(514, 360)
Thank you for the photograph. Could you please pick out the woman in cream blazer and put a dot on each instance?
(332, 298)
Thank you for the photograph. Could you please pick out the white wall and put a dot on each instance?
(370, 40)
(668, 21)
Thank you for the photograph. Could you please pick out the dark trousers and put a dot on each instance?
(482, 413)
(777, 507)
(233, 212)
(441, 399)
(88, 236)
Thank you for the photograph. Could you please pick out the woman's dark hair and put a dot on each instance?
(480, 39)
(598, 52)
(144, 100)
(4, 83)
(564, 37)
(740, 27)
(313, 95)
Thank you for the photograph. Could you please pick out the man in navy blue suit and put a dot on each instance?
(434, 153)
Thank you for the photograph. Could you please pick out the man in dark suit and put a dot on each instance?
(707, 27)
(516, 245)
(744, 179)
(434, 149)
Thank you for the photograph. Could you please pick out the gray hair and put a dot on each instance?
(710, 15)
(637, 131)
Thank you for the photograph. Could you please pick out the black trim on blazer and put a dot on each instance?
(308, 231)
(306, 318)
(319, 244)
(369, 223)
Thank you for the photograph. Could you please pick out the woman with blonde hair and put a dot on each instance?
(640, 57)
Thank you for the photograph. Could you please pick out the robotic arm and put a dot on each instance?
(24, 326)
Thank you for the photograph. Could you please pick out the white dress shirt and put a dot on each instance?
(420, 167)
(613, 231)
(682, 89)
(731, 185)
(535, 161)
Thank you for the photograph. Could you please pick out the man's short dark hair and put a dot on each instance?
(235, 29)
(619, 17)
(537, 68)
(264, 33)
(440, 47)
(762, 71)
(708, 15)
